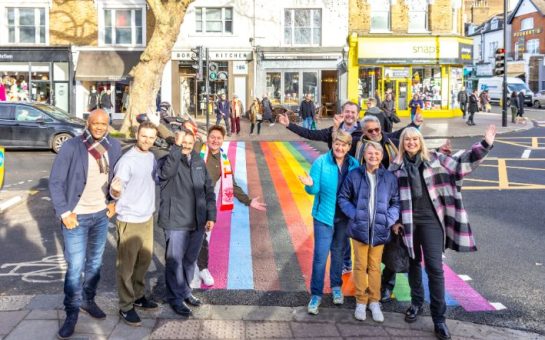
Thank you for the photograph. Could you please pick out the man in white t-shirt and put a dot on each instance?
(134, 188)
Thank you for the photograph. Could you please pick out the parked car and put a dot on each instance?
(539, 99)
(25, 125)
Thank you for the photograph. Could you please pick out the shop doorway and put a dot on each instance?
(400, 92)
(188, 95)
(329, 93)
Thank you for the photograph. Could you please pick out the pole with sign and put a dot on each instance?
(2, 162)
(504, 87)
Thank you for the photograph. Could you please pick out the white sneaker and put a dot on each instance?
(376, 312)
(360, 313)
(196, 282)
(206, 277)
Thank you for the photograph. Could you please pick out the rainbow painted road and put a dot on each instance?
(272, 251)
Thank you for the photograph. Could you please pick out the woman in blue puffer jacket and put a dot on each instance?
(369, 197)
(326, 176)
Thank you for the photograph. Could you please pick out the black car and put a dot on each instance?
(25, 125)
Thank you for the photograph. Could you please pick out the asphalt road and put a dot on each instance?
(508, 268)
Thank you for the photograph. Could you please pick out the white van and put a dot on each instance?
(494, 87)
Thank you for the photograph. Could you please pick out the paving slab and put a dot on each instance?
(14, 302)
(270, 314)
(34, 329)
(231, 312)
(361, 330)
(222, 329)
(314, 330)
(266, 330)
(89, 325)
(47, 302)
(9, 320)
(176, 329)
(122, 331)
(42, 314)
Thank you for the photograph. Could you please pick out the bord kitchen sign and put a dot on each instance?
(215, 55)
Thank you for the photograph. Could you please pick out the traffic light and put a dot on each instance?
(197, 58)
(213, 70)
(499, 66)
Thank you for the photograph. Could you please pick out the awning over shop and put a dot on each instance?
(106, 65)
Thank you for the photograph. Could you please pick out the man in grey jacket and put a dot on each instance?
(186, 211)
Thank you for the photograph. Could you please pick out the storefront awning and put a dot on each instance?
(106, 65)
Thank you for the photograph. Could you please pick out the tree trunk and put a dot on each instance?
(147, 74)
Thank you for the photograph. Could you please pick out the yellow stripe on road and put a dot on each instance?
(502, 174)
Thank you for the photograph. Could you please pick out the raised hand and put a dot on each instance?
(306, 180)
(258, 205)
(337, 121)
(179, 138)
(283, 119)
(154, 117)
(446, 148)
(490, 134)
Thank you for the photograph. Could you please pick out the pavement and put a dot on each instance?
(39, 316)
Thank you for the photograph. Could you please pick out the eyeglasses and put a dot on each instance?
(375, 130)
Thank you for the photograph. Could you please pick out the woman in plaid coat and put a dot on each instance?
(432, 214)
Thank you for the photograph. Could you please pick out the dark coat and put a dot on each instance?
(106, 101)
(174, 202)
(325, 135)
(354, 202)
(223, 108)
(307, 109)
(473, 103)
(521, 103)
(69, 172)
(267, 109)
(385, 122)
(462, 97)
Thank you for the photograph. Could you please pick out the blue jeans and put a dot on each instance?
(347, 254)
(327, 239)
(307, 123)
(83, 249)
(182, 250)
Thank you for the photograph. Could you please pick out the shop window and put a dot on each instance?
(380, 16)
(418, 15)
(527, 24)
(26, 25)
(532, 46)
(456, 84)
(123, 27)
(302, 27)
(369, 81)
(426, 82)
(310, 85)
(214, 20)
(273, 87)
(291, 88)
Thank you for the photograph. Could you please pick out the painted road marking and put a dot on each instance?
(502, 174)
(526, 153)
(10, 202)
(464, 277)
(498, 305)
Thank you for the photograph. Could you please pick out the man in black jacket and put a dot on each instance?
(306, 111)
(187, 209)
(462, 100)
(373, 110)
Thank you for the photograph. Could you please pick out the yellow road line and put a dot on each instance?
(497, 182)
(537, 187)
(513, 143)
(515, 159)
(512, 167)
(502, 174)
(534, 142)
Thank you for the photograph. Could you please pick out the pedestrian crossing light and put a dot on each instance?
(499, 66)
(213, 69)
(197, 58)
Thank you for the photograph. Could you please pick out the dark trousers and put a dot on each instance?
(388, 278)
(226, 119)
(470, 118)
(252, 126)
(347, 254)
(428, 239)
(463, 107)
(202, 261)
(182, 249)
(235, 125)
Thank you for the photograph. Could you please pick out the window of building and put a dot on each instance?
(369, 81)
(532, 46)
(494, 24)
(426, 82)
(527, 24)
(123, 27)
(214, 19)
(418, 15)
(302, 26)
(26, 25)
(493, 46)
(273, 87)
(380, 16)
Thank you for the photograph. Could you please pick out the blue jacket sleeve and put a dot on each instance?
(392, 214)
(57, 179)
(171, 164)
(323, 135)
(346, 197)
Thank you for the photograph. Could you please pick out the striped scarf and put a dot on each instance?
(226, 178)
(98, 150)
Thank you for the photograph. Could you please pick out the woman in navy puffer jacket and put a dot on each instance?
(369, 197)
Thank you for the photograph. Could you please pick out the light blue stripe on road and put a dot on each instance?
(240, 275)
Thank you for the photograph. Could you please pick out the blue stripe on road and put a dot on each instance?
(448, 299)
(240, 275)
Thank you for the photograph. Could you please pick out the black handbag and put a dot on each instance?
(394, 118)
(395, 255)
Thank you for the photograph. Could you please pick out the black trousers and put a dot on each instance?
(428, 242)
(252, 126)
(226, 119)
(388, 279)
(463, 107)
(470, 118)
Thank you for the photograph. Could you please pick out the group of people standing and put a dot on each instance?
(480, 102)
(231, 112)
(373, 184)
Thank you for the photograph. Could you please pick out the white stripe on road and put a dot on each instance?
(464, 277)
(526, 154)
(10, 202)
(498, 305)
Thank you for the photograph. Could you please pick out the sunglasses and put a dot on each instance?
(375, 130)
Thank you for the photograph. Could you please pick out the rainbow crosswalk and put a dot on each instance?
(272, 251)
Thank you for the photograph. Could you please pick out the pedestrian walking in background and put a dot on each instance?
(223, 181)
(484, 99)
(187, 209)
(429, 222)
(267, 110)
(307, 109)
(521, 103)
(236, 112)
(223, 111)
(373, 110)
(326, 176)
(78, 184)
(462, 101)
(473, 107)
(514, 105)
(256, 116)
(369, 198)
(94, 99)
(378, 99)
(416, 104)
(388, 107)
(106, 103)
(134, 189)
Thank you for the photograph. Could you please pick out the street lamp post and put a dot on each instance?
(504, 91)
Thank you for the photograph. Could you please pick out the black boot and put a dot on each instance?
(412, 313)
(441, 331)
(69, 325)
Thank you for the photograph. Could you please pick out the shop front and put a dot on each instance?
(99, 71)
(430, 67)
(230, 73)
(40, 74)
(286, 76)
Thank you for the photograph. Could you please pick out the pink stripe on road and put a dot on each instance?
(218, 249)
(464, 294)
